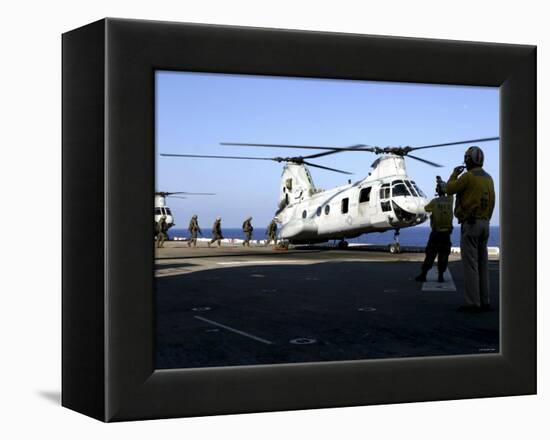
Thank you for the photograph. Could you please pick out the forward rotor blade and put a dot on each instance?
(433, 164)
(202, 156)
(307, 147)
(471, 141)
(325, 168)
(177, 197)
(326, 153)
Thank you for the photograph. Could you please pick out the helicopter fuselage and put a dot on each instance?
(161, 209)
(386, 199)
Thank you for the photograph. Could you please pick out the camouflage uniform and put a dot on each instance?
(217, 232)
(194, 230)
(272, 232)
(162, 228)
(475, 202)
(247, 229)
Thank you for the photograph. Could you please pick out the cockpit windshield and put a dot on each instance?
(399, 189)
(411, 188)
(418, 190)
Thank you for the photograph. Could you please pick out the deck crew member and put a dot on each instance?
(441, 222)
(475, 201)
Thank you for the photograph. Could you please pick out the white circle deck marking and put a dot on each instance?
(257, 275)
(366, 309)
(303, 341)
(201, 309)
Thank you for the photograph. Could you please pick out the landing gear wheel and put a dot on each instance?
(343, 244)
(395, 248)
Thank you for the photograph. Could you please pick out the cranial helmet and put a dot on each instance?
(441, 186)
(218, 218)
(474, 155)
(195, 216)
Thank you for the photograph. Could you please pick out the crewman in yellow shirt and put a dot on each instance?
(441, 222)
(475, 201)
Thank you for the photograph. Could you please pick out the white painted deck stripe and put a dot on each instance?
(234, 330)
(249, 262)
(431, 285)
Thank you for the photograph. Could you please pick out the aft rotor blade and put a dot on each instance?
(202, 156)
(325, 168)
(177, 197)
(433, 164)
(192, 194)
(471, 141)
(307, 147)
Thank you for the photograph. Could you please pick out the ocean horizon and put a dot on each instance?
(415, 236)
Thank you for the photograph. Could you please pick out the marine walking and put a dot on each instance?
(194, 230)
(247, 229)
(162, 229)
(271, 233)
(216, 232)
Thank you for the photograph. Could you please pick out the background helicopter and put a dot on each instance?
(386, 199)
(162, 209)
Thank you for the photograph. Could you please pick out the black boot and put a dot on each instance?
(440, 278)
(421, 278)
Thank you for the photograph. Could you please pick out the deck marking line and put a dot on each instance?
(226, 263)
(431, 285)
(234, 330)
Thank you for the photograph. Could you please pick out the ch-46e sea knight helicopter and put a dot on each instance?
(162, 209)
(386, 199)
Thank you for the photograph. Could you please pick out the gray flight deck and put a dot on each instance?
(248, 306)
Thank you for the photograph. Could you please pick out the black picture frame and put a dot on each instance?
(108, 191)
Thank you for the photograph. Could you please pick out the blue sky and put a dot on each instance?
(196, 111)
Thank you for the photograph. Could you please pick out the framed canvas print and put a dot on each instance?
(264, 219)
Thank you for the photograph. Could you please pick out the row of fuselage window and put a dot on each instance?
(400, 188)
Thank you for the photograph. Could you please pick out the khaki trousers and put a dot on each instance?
(473, 250)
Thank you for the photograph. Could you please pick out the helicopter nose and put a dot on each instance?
(414, 205)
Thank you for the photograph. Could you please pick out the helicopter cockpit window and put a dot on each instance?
(304, 214)
(158, 211)
(385, 191)
(288, 184)
(364, 195)
(399, 189)
(168, 212)
(418, 190)
(327, 209)
(411, 188)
